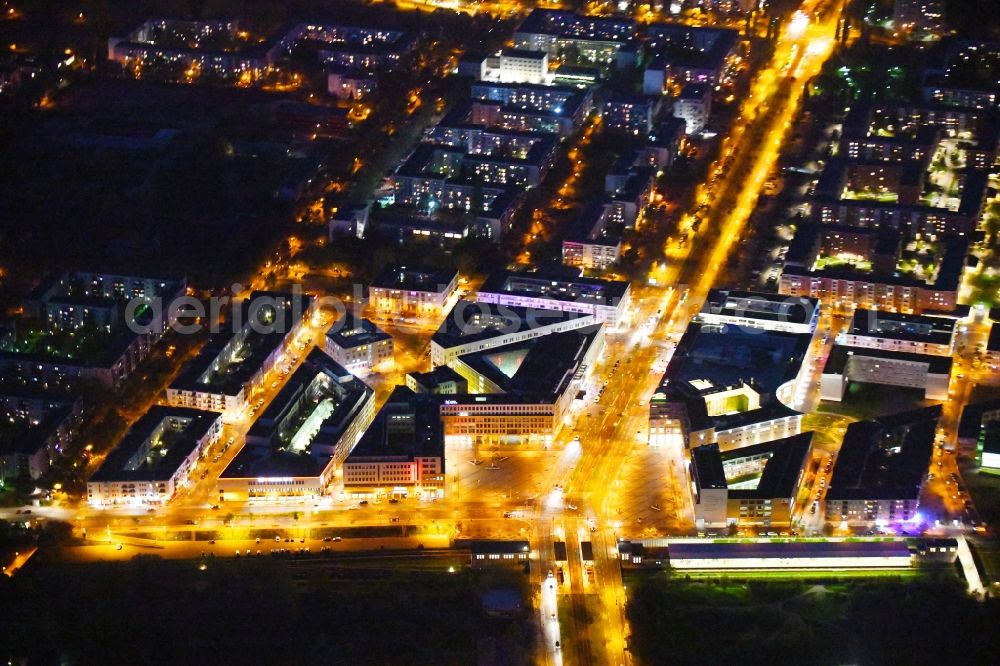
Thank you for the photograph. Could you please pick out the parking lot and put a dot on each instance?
(651, 495)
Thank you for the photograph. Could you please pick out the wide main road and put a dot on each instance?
(751, 152)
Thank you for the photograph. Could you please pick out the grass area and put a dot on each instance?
(88, 344)
(868, 195)
(8, 496)
(862, 265)
(985, 490)
(810, 575)
(220, 611)
(827, 436)
(986, 551)
(804, 539)
(867, 401)
(878, 618)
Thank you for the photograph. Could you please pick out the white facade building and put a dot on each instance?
(517, 66)
(358, 344)
(694, 106)
(872, 366)
(898, 332)
(607, 300)
(406, 289)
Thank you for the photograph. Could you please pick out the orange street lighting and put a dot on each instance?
(798, 25)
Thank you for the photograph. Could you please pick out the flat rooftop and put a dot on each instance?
(414, 278)
(24, 431)
(695, 91)
(351, 331)
(760, 305)
(431, 380)
(155, 445)
(769, 411)
(229, 359)
(637, 182)
(540, 367)
(972, 417)
(991, 437)
(523, 54)
(629, 99)
(788, 550)
(553, 286)
(498, 546)
(591, 227)
(408, 426)
(691, 47)
(297, 433)
(885, 458)
(707, 471)
(779, 476)
(993, 344)
(472, 321)
(492, 87)
(899, 326)
(572, 25)
(840, 355)
(711, 358)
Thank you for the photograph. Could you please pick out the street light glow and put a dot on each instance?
(798, 25)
